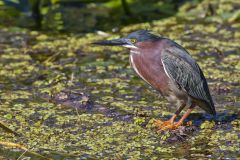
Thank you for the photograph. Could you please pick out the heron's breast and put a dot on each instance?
(150, 69)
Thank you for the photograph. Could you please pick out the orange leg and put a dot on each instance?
(170, 124)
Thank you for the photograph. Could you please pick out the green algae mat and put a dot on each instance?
(63, 98)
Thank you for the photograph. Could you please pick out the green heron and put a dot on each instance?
(168, 68)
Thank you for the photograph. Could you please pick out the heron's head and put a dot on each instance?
(130, 40)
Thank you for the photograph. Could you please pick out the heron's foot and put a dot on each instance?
(167, 125)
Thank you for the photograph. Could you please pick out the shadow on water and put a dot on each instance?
(83, 104)
(103, 15)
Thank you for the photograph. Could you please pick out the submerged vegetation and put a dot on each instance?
(67, 99)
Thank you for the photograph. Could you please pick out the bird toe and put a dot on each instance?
(168, 125)
(163, 125)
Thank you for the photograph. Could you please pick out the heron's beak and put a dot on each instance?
(114, 42)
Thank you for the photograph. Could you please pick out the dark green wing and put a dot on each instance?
(181, 68)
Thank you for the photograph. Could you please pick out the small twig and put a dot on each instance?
(3, 126)
(52, 57)
(72, 91)
(22, 154)
(19, 146)
(78, 114)
(13, 145)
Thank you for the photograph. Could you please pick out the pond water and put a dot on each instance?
(68, 99)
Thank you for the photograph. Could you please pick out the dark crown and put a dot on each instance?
(143, 35)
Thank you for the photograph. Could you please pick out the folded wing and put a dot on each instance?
(182, 69)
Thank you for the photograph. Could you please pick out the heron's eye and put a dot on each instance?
(133, 41)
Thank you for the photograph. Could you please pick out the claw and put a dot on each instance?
(163, 125)
(166, 125)
(170, 124)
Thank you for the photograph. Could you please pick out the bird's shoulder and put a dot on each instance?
(175, 52)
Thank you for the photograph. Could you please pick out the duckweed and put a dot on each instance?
(69, 99)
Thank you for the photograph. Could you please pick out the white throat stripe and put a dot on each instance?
(134, 51)
(129, 46)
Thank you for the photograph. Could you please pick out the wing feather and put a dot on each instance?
(182, 69)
